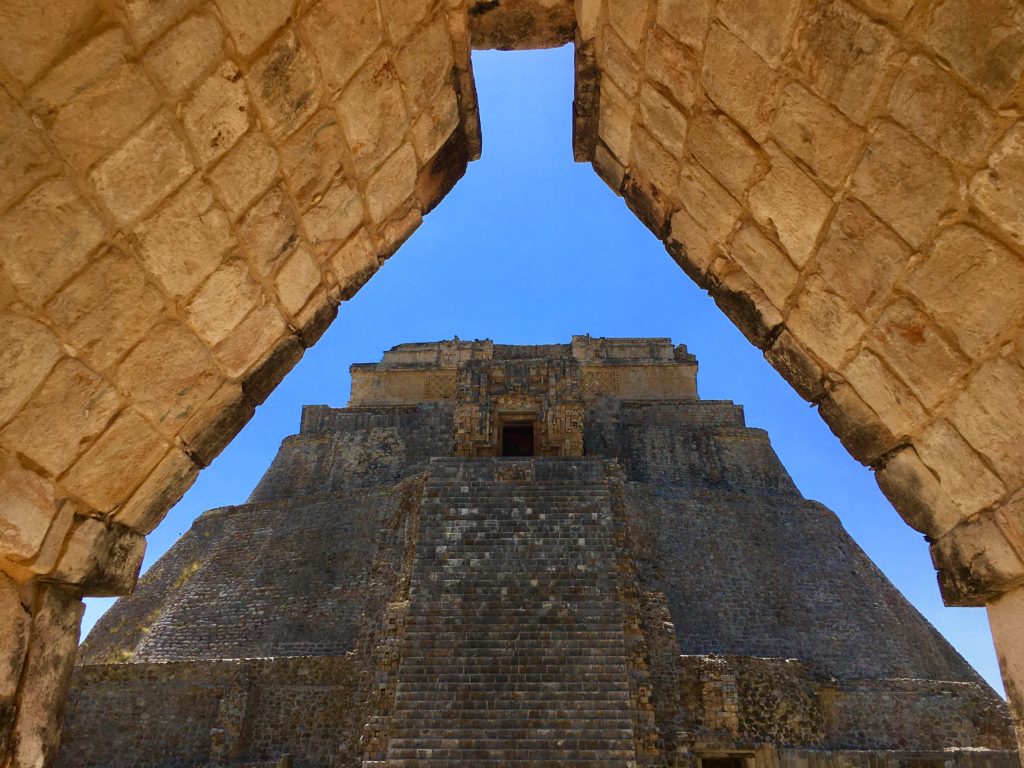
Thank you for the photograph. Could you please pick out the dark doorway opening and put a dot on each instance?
(517, 440)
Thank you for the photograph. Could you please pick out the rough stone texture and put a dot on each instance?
(380, 601)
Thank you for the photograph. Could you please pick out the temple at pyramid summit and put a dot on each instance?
(551, 555)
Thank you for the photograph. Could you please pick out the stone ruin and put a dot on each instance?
(551, 555)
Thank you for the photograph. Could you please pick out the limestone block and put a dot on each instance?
(46, 559)
(915, 492)
(103, 115)
(372, 113)
(824, 323)
(228, 295)
(435, 125)
(740, 82)
(217, 115)
(251, 340)
(608, 168)
(148, 167)
(1010, 519)
(726, 152)
(268, 231)
(664, 120)
(765, 25)
(402, 17)
(100, 558)
(391, 234)
(790, 203)
(313, 155)
(860, 256)
(24, 158)
(796, 365)
(56, 619)
(962, 474)
(817, 134)
(186, 53)
(908, 342)
(999, 189)
(184, 241)
(707, 201)
(983, 40)
(354, 263)
(770, 268)
(106, 309)
(675, 67)
(942, 113)
(15, 620)
(1006, 617)
(158, 492)
(47, 237)
(686, 20)
(691, 246)
(245, 172)
(71, 408)
(168, 375)
(271, 368)
(215, 422)
(297, 280)
(342, 34)
(251, 26)
(627, 17)
(844, 57)
(990, 415)
(148, 19)
(425, 64)
(391, 185)
(26, 509)
(972, 285)
(619, 63)
(588, 18)
(650, 188)
(896, 10)
(975, 562)
(615, 126)
(741, 299)
(33, 35)
(28, 350)
(907, 185)
(285, 85)
(857, 426)
(105, 476)
(339, 211)
(886, 395)
(99, 56)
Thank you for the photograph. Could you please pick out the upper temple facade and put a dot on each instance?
(525, 556)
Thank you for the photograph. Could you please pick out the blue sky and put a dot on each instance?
(532, 248)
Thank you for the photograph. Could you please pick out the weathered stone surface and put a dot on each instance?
(915, 492)
(744, 302)
(402, 16)
(425, 64)
(336, 216)
(509, 25)
(844, 56)
(15, 620)
(149, 18)
(894, 403)
(71, 408)
(961, 472)
(941, 112)
(186, 53)
(816, 134)
(799, 368)
(217, 115)
(1006, 617)
(225, 299)
(159, 492)
(615, 126)
(245, 172)
(105, 476)
(983, 40)
(740, 82)
(313, 156)
(354, 263)
(343, 34)
(973, 286)
(28, 350)
(268, 231)
(46, 238)
(26, 511)
(855, 424)
(674, 66)
(435, 125)
(100, 117)
(389, 187)
(87, 65)
(619, 64)
(907, 186)
(148, 167)
(46, 559)
(168, 375)
(764, 25)
(788, 202)
(372, 113)
(765, 262)
(215, 422)
(251, 340)
(106, 309)
(297, 280)
(100, 558)
(250, 27)
(664, 120)
(726, 152)
(990, 415)
(185, 239)
(31, 36)
(860, 257)
(285, 86)
(627, 17)
(975, 562)
(24, 157)
(999, 189)
(707, 201)
(686, 21)
(825, 323)
(907, 340)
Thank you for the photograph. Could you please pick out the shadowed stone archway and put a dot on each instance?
(190, 188)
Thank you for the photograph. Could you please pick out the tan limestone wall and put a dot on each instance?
(846, 178)
(187, 191)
